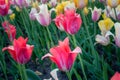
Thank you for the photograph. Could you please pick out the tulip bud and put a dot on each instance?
(12, 16)
(86, 11)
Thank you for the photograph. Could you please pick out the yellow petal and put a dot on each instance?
(105, 25)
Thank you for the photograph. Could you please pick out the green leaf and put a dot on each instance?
(31, 75)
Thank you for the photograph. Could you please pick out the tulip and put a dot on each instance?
(103, 39)
(22, 3)
(59, 21)
(12, 16)
(86, 11)
(62, 55)
(60, 7)
(70, 21)
(118, 12)
(105, 25)
(117, 34)
(44, 1)
(20, 51)
(4, 7)
(70, 6)
(81, 3)
(32, 14)
(96, 14)
(43, 17)
(112, 3)
(10, 30)
(116, 76)
(53, 3)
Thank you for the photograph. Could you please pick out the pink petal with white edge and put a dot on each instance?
(47, 55)
(77, 50)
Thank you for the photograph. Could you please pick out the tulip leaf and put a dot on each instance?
(31, 75)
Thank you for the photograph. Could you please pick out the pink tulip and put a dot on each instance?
(20, 51)
(10, 30)
(96, 13)
(22, 3)
(32, 14)
(62, 55)
(59, 21)
(43, 17)
(4, 7)
(70, 21)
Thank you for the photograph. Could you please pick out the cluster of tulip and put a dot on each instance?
(69, 18)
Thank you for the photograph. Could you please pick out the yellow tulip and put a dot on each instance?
(60, 7)
(80, 3)
(105, 25)
(35, 4)
(12, 16)
(113, 3)
(104, 15)
(86, 11)
(18, 9)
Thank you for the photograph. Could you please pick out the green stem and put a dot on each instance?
(88, 34)
(24, 72)
(3, 66)
(115, 13)
(50, 37)
(82, 66)
(69, 76)
(19, 68)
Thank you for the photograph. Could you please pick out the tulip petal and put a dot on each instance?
(47, 55)
(11, 51)
(117, 34)
(102, 40)
(77, 50)
(116, 76)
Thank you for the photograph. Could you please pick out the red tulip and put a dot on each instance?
(20, 51)
(62, 55)
(71, 21)
(116, 76)
(4, 7)
(10, 30)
